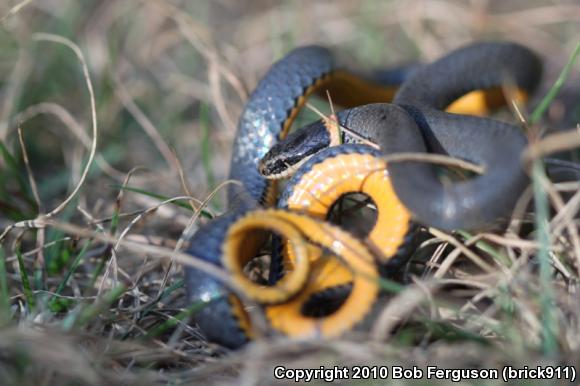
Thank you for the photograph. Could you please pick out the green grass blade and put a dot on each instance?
(38, 277)
(206, 144)
(450, 333)
(166, 292)
(4, 294)
(180, 203)
(555, 89)
(541, 207)
(75, 264)
(56, 255)
(489, 249)
(28, 293)
(172, 322)
(12, 166)
(549, 333)
(114, 221)
(99, 269)
(390, 286)
(90, 312)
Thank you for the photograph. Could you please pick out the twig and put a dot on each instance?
(68, 43)
(150, 129)
(472, 256)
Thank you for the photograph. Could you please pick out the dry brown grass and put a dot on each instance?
(170, 79)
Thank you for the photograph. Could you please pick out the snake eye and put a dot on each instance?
(263, 168)
(286, 156)
(273, 165)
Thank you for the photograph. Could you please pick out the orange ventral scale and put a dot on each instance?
(334, 177)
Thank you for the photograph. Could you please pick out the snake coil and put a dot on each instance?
(409, 191)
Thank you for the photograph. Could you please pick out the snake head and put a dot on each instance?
(285, 157)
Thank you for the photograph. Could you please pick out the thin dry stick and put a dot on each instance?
(40, 237)
(557, 263)
(558, 203)
(119, 199)
(447, 263)
(485, 293)
(438, 159)
(568, 186)
(31, 179)
(204, 46)
(66, 42)
(333, 117)
(509, 90)
(566, 214)
(189, 230)
(150, 129)
(12, 92)
(429, 292)
(403, 304)
(553, 143)
(510, 241)
(540, 147)
(432, 263)
(218, 96)
(332, 120)
(216, 68)
(185, 183)
(73, 125)
(556, 13)
(472, 256)
(35, 250)
(14, 10)
(141, 248)
(113, 260)
(519, 211)
(101, 229)
(136, 212)
(40, 221)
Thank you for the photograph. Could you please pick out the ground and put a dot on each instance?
(89, 294)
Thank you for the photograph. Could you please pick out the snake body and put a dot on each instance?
(477, 203)
(416, 123)
(266, 118)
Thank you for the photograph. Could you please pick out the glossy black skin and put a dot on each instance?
(479, 202)
(473, 204)
(561, 170)
(216, 319)
(266, 112)
(474, 67)
(419, 124)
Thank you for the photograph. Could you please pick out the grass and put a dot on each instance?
(4, 294)
(115, 98)
(26, 288)
(541, 205)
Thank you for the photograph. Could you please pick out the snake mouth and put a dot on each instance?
(285, 157)
(286, 172)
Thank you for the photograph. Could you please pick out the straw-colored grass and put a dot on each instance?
(116, 125)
